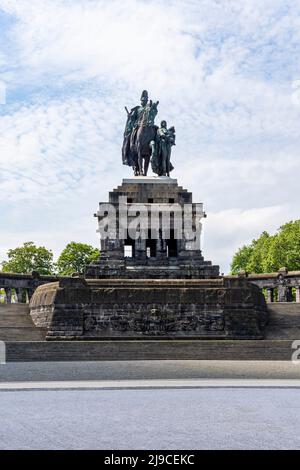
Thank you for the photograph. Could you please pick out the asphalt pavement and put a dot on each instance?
(203, 418)
(150, 405)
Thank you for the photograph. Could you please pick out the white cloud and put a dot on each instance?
(223, 72)
(2, 93)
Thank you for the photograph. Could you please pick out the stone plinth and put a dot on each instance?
(136, 309)
(150, 180)
(157, 254)
(164, 289)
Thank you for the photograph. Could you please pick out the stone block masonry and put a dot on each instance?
(125, 309)
(164, 289)
(157, 255)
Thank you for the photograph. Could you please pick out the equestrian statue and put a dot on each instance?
(144, 141)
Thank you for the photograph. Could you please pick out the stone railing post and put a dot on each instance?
(270, 294)
(8, 294)
(283, 289)
(298, 294)
(282, 293)
(30, 292)
(19, 292)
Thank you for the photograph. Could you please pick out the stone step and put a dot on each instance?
(149, 350)
(18, 309)
(284, 321)
(22, 334)
(284, 307)
(14, 320)
(16, 324)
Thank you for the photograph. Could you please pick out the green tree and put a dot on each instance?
(75, 257)
(270, 252)
(284, 249)
(260, 247)
(28, 258)
(241, 258)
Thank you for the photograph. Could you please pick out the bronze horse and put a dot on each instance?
(141, 138)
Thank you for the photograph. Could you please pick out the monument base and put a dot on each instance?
(164, 256)
(221, 308)
(151, 285)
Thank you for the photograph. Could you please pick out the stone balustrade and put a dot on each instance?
(281, 286)
(20, 287)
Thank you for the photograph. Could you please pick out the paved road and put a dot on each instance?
(170, 418)
(145, 370)
(151, 419)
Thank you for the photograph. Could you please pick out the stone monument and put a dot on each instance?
(151, 280)
(155, 210)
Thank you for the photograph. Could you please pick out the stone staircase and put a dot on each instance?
(25, 342)
(16, 324)
(284, 321)
(222, 350)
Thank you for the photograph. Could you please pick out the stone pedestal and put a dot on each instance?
(164, 289)
(150, 309)
(157, 253)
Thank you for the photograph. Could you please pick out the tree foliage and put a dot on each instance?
(269, 253)
(75, 257)
(28, 258)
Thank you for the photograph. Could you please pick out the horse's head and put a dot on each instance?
(152, 112)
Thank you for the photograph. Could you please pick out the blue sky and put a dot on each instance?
(226, 73)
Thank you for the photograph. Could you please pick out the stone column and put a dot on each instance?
(8, 294)
(270, 294)
(140, 249)
(161, 248)
(180, 245)
(298, 294)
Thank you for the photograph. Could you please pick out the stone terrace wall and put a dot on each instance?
(99, 309)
